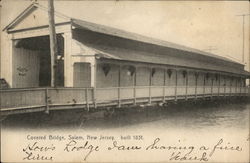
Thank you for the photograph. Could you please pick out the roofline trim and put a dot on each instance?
(22, 14)
(28, 10)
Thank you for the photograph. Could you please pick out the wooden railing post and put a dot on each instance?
(176, 77)
(219, 86)
(86, 98)
(245, 87)
(225, 86)
(236, 88)
(135, 85)
(119, 87)
(196, 84)
(164, 86)
(94, 97)
(240, 87)
(186, 93)
(204, 85)
(150, 84)
(212, 86)
(230, 86)
(46, 101)
(95, 86)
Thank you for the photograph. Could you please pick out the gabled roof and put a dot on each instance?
(116, 32)
(29, 10)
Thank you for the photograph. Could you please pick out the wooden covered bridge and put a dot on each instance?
(100, 66)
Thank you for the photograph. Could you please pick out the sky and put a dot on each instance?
(212, 26)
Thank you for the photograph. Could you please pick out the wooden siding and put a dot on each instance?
(142, 76)
(127, 77)
(82, 75)
(153, 75)
(158, 77)
(108, 80)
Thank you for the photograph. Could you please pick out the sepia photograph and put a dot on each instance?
(124, 81)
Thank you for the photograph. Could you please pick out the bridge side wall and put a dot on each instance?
(155, 75)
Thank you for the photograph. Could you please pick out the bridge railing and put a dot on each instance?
(55, 97)
(44, 97)
(11, 98)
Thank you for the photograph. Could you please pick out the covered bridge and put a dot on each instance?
(100, 63)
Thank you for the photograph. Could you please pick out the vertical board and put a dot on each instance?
(158, 77)
(127, 76)
(142, 76)
(82, 75)
(110, 79)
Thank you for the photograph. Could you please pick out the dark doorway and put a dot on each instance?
(45, 72)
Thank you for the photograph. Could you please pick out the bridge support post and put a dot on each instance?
(135, 85)
(46, 101)
(176, 78)
(212, 86)
(86, 98)
(196, 84)
(119, 87)
(219, 86)
(225, 86)
(204, 86)
(240, 86)
(237, 88)
(164, 87)
(150, 84)
(186, 93)
(230, 86)
(95, 85)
